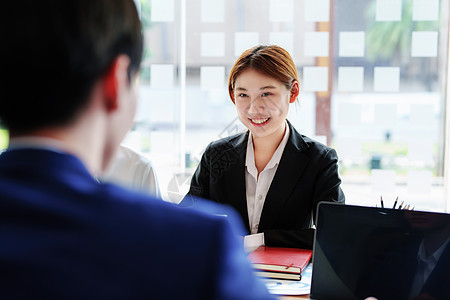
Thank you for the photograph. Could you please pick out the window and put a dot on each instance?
(374, 76)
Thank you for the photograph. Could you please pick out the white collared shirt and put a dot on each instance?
(132, 170)
(257, 186)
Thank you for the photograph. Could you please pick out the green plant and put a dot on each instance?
(391, 40)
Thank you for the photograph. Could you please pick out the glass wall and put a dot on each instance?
(373, 86)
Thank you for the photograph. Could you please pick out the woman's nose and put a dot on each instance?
(256, 105)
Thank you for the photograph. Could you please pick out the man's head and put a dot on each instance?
(55, 52)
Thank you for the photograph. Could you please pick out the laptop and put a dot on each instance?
(379, 252)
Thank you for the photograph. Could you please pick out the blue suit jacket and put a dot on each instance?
(307, 174)
(63, 235)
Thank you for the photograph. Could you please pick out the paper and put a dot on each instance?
(349, 114)
(385, 115)
(316, 44)
(389, 10)
(212, 77)
(253, 241)
(422, 115)
(317, 10)
(213, 11)
(425, 10)
(386, 79)
(244, 41)
(421, 151)
(350, 79)
(212, 44)
(351, 43)
(281, 10)
(162, 76)
(284, 40)
(424, 44)
(349, 149)
(383, 181)
(419, 182)
(151, 108)
(315, 79)
(162, 10)
(291, 287)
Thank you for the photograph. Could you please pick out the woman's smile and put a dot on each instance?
(259, 121)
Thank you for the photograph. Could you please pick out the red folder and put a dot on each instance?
(284, 260)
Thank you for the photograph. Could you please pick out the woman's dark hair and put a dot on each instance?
(55, 50)
(270, 60)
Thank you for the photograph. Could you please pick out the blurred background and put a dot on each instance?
(374, 85)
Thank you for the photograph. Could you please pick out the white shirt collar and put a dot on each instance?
(276, 157)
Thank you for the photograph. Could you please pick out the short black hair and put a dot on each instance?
(53, 51)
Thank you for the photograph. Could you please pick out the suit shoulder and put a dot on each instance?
(139, 205)
(314, 143)
(227, 142)
(316, 147)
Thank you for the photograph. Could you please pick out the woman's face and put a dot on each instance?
(262, 103)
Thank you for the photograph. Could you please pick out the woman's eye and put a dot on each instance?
(242, 95)
(266, 94)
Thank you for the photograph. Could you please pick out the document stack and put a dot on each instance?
(280, 263)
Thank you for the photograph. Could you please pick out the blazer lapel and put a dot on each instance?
(292, 165)
(235, 179)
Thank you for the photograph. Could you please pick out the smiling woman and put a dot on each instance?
(272, 175)
(262, 102)
(262, 107)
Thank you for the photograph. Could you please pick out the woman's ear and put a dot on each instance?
(295, 91)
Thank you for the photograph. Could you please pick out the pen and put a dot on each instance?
(401, 204)
(381, 200)
(395, 203)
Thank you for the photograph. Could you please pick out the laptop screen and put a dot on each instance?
(383, 253)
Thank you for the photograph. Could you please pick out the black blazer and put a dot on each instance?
(391, 275)
(306, 175)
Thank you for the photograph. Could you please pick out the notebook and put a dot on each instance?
(278, 262)
(367, 251)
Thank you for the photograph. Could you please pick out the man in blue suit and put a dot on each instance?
(72, 65)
